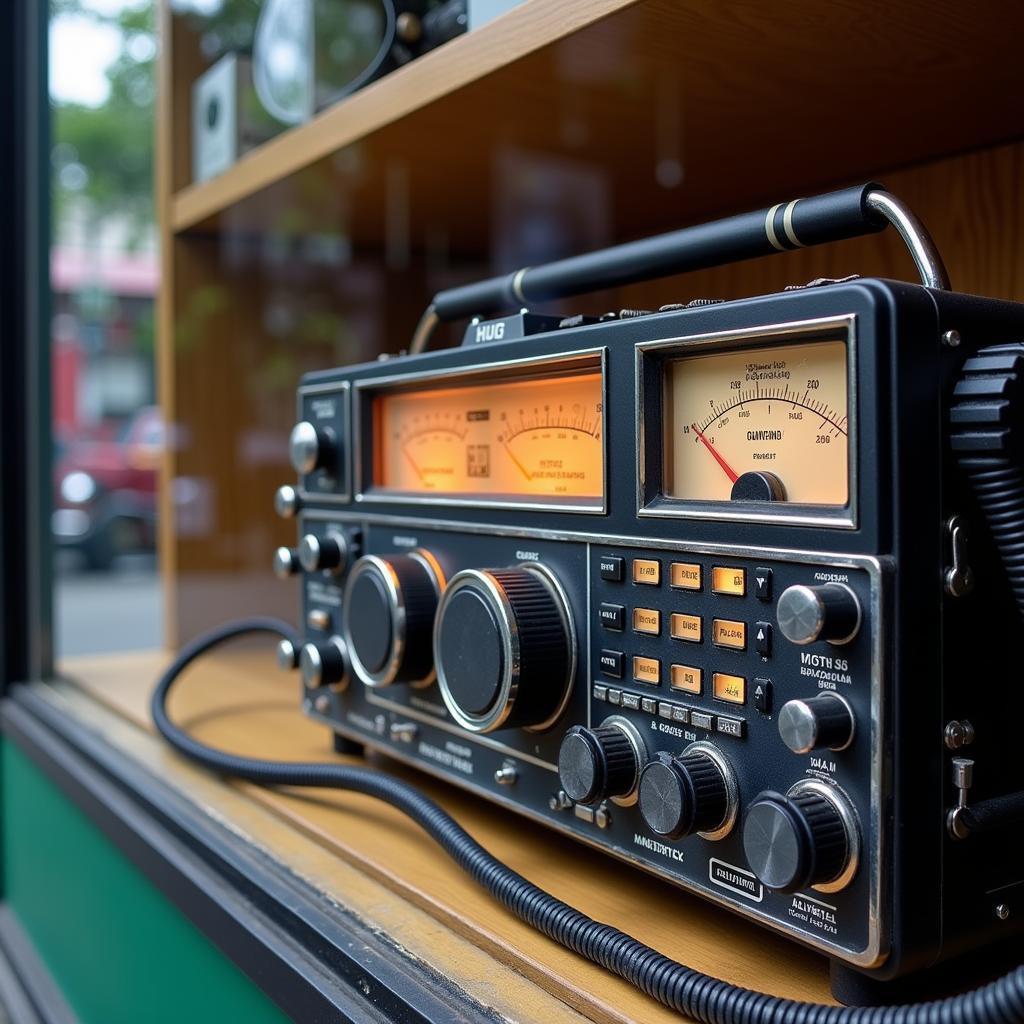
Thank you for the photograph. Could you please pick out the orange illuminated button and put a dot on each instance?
(727, 633)
(686, 678)
(646, 670)
(728, 581)
(686, 627)
(729, 688)
(647, 570)
(646, 620)
(685, 576)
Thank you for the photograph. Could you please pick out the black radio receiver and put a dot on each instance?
(731, 591)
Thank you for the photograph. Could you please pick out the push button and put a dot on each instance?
(646, 620)
(647, 570)
(763, 638)
(685, 627)
(664, 710)
(763, 696)
(763, 583)
(729, 633)
(725, 580)
(681, 715)
(702, 720)
(731, 726)
(614, 696)
(612, 663)
(685, 678)
(613, 568)
(729, 688)
(612, 616)
(631, 701)
(649, 704)
(685, 576)
(600, 692)
(646, 670)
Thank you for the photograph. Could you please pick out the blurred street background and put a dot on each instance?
(108, 436)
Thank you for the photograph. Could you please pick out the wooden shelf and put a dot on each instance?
(728, 105)
(238, 702)
(464, 60)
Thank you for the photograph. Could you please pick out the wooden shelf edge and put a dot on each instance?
(524, 29)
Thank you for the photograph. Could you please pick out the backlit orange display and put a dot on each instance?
(538, 439)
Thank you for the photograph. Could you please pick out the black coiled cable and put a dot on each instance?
(679, 987)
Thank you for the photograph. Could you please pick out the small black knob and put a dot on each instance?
(286, 562)
(324, 664)
(683, 794)
(827, 612)
(328, 553)
(798, 840)
(388, 615)
(758, 486)
(311, 447)
(594, 764)
(822, 721)
(503, 648)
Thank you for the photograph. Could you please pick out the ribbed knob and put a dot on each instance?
(798, 840)
(388, 615)
(594, 764)
(328, 553)
(324, 664)
(683, 794)
(828, 612)
(503, 649)
(286, 562)
(825, 721)
(311, 447)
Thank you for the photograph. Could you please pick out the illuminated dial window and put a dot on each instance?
(528, 440)
(764, 424)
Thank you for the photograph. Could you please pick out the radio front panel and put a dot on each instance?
(672, 584)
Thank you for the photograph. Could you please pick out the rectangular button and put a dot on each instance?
(731, 726)
(600, 692)
(729, 633)
(646, 670)
(685, 678)
(631, 701)
(685, 627)
(612, 663)
(728, 581)
(649, 704)
(583, 812)
(646, 620)
(702, 720)
(763, 638)
(681, 715)
(763, 696)
(647, 570)
(730, 688)
(763, 583)
(612, 616)
(613, 568)
(664, 710)
(685, 576)
(614, 696)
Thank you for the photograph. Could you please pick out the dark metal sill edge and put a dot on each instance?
(318, 962)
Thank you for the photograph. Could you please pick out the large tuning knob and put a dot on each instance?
(691, 792)
(311, 447)
(504, 648)
(827, 612)
(807, 838)
(387, 617)
(817, 722)
(595, 764)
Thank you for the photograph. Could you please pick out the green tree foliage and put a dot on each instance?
(103, 155)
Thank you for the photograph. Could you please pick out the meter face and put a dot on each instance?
(768, 424)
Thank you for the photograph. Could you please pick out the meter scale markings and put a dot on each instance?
(759, 425)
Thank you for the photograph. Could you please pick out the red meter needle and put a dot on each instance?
(718, 458)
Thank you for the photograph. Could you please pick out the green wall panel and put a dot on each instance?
(117, 948)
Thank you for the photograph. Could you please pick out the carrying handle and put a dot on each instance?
(850, 212)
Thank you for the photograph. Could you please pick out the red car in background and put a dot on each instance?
(105, 492)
